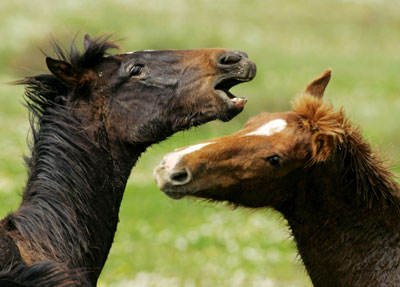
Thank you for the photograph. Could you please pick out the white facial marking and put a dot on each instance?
(193, 148)
(270, 128)
(172, 159)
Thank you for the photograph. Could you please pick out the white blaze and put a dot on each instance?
(192, 148)
(171, 159)
(269, 128)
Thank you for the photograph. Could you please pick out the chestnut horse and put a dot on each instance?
(92, 117)
(313, 166)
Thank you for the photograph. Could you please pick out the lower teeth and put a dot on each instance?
(239, 101)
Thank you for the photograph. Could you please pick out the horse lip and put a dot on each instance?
(245, 72)
(222, 91)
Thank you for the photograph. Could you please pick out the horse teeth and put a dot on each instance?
(240, 102)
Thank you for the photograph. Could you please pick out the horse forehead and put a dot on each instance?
(202, 53)
(269, 128)
(153, 55)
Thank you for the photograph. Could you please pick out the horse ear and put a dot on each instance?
(317, 87)
(86, 41)
(322, 147)
(65, 72)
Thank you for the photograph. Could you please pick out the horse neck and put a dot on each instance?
(343, 239)
(69, 211)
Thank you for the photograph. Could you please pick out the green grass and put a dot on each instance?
(161, 242)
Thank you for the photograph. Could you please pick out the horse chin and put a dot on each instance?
(175, 195)
(225, 113)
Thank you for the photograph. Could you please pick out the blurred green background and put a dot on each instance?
(161, 242)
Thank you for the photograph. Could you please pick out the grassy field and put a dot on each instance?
(161, 242)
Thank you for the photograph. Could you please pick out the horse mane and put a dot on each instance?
(45, 94)
(361, 166)
(43, 274)
(94, 51)
(46, 90)
(58, 141)
(320, 116)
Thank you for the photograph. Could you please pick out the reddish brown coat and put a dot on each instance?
(311, 164)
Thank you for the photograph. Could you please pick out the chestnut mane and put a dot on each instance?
(362, 167)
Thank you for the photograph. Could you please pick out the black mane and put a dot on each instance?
(60, 147)
(46, 90)
(94, 51)
(45, 93)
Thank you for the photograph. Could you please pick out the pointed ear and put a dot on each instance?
(322, 147)
(317, 87)
(86, 41)
(65, 72)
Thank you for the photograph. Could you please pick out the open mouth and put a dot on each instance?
(227, 105)
(222, 89)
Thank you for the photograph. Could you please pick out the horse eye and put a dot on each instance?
(274, 160)
(135, 70)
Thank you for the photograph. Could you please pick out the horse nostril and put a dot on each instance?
(180, 177)
(243, 54)
(228, 59)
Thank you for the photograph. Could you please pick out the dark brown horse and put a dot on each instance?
(92, 117)
(312, 165)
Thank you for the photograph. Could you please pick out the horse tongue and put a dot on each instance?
(239, 102)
